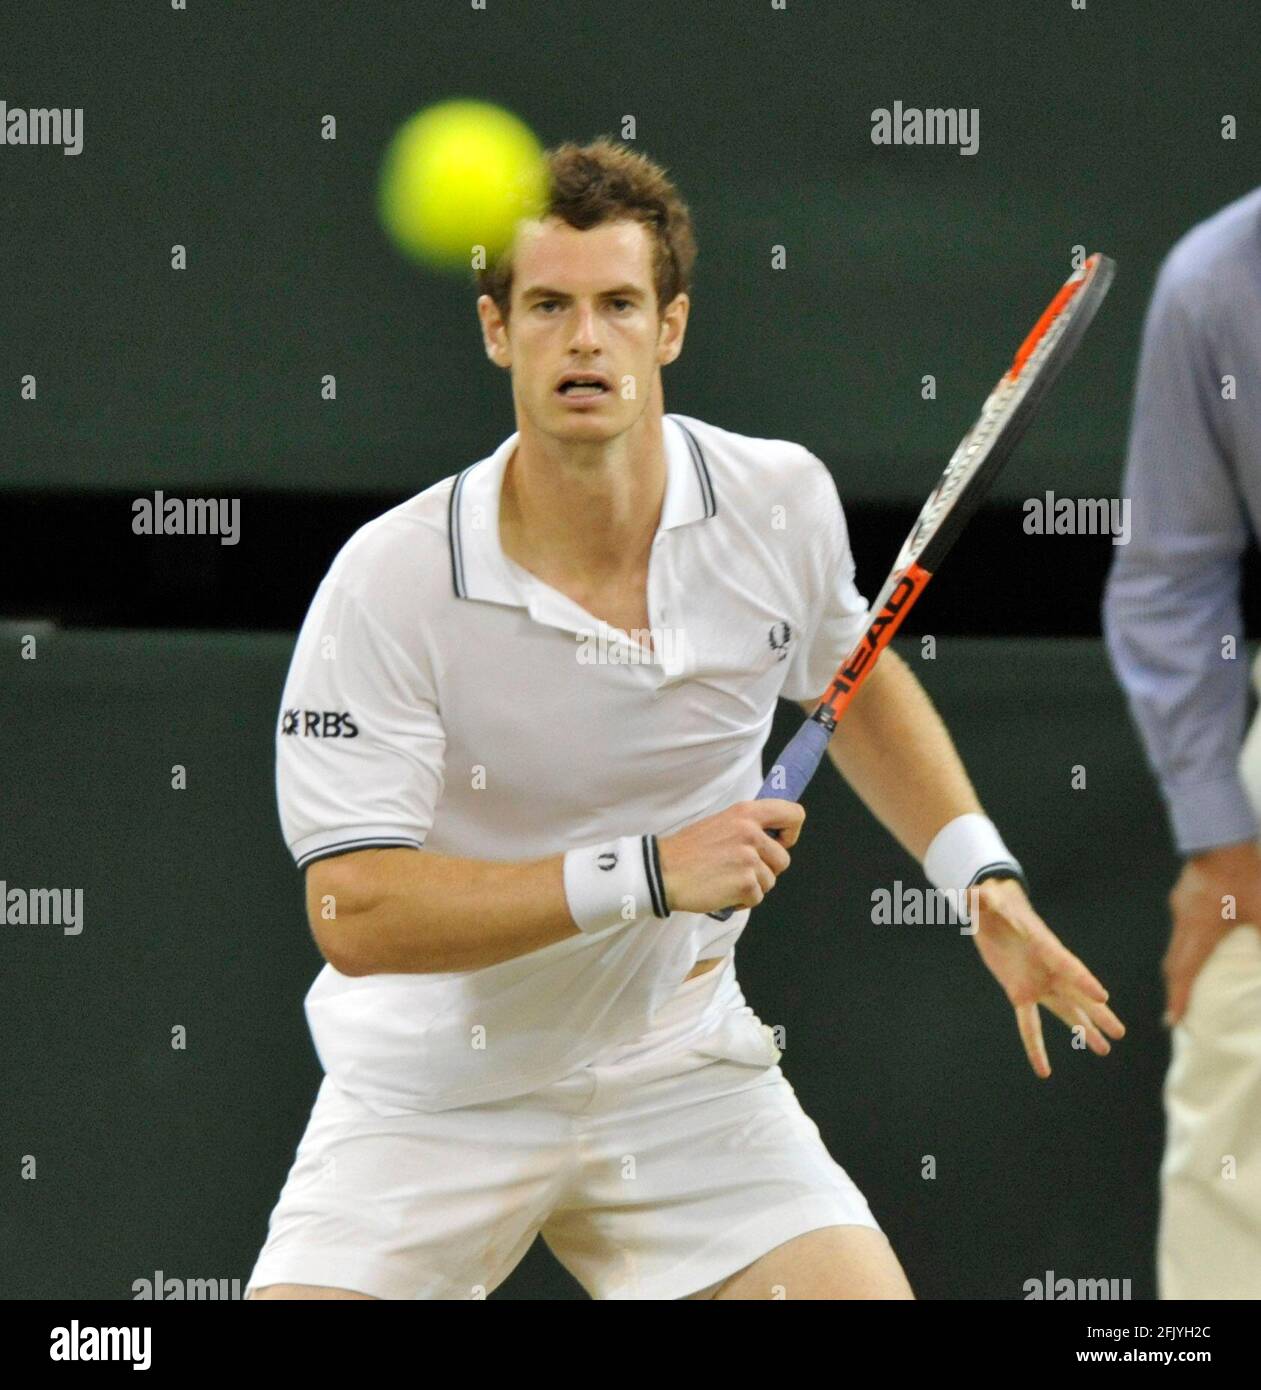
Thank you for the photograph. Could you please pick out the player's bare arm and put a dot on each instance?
(407, 911)
(894, 750)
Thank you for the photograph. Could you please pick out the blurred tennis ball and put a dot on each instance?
(457, 175)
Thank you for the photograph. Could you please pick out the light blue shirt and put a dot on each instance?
(1193, 476)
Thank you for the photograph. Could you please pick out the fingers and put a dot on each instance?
(1074, 987)
(763, 830)
(1092, 1017)
(1064, 986)
(1104, 1018)
(1196, 935)
(1072, 977)
(1186, 955)
(1075, 1016)
(1078, 977)
(785, 816)
(1066, 968)
(1095, 1040)
(1067, 973)
(761, 880)
(1178, 981)
(1030, 1025)
(774, 856)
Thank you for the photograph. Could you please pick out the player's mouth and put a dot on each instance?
(582, 387)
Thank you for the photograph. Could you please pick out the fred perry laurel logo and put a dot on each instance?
(608, 860)
(779, 637)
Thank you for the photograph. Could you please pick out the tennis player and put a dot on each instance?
(519, 743)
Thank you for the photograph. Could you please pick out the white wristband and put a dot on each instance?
(615, 883)
(966, 850)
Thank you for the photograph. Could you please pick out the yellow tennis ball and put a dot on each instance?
(457, 176)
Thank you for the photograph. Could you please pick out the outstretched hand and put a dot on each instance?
(1035, 968)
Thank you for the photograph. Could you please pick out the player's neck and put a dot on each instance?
(584, 513)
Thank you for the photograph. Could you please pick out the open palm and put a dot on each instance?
(1035, 968)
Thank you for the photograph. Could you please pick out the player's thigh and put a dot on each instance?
(831, 1262)
(304, 1291)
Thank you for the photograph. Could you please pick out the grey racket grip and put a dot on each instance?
(791, 774)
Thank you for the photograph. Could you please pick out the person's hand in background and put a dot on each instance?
(1216, 891)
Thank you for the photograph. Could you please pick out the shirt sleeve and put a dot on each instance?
(1173, 591)
(360, 746)
(838, 610)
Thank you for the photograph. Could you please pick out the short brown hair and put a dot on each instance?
(604, 181)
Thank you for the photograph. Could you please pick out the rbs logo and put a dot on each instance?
(316, 723)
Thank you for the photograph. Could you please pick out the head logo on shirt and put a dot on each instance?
(318, 723)
(779, 637)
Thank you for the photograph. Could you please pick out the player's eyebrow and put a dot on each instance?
(618, 292)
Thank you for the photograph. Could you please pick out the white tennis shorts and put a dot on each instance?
(660, 1168)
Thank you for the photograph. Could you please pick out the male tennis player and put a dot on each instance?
(520, 737)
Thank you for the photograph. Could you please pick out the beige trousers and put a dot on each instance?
(1209, 1243)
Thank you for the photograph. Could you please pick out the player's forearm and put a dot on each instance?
(400, 911)
(895, 752)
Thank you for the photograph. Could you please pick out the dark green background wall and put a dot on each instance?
(1099, 127)
(898, 1041)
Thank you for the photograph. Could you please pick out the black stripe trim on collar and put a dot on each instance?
(453, 534)
(455, 541)
(702, 469)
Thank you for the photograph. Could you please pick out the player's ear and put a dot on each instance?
(673, 328)
(494, 331)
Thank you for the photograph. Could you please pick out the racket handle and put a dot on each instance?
(791, 774)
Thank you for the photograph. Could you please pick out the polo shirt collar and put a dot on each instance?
(479, 568)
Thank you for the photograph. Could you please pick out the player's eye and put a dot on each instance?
(543, 303)
(617, 303)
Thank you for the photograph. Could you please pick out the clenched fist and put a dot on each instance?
(731, 859)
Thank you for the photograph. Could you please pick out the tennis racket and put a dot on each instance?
(973, 466)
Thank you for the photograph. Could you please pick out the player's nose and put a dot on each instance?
(586, 330)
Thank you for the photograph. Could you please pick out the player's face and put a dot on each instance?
(584, 302)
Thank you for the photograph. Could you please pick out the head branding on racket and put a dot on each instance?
(973, 466)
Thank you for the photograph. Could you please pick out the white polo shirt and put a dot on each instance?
(442, 696)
